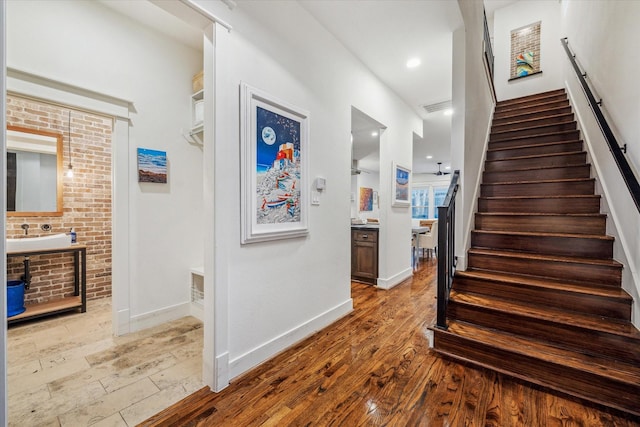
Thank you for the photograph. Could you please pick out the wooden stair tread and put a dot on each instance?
(547, 283)
(536, 156)
(542, 234)
(579, 215)
(580, 320)
(528, 113)
(623, 372)
(538, 135)
(550, 102)
(516, 122)
(501, 132)
(532, 168)
(544, 144)
(541, 181)
(550, 196)
(544, 257)
(518, 101)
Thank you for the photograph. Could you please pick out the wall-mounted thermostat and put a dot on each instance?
(320, 183)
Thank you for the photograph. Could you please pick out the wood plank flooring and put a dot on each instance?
(374, 368)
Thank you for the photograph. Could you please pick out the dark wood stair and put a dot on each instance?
(541, 298)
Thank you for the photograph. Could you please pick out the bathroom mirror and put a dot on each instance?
(34, 172)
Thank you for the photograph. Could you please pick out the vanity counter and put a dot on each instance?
(77, 301)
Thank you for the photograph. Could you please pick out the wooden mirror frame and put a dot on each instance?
(59, 172)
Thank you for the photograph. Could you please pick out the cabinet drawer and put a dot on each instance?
(365, 235)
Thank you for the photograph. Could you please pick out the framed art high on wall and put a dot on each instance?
(401, 182)
(274, 137)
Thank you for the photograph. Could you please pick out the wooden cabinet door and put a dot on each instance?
(364, 257)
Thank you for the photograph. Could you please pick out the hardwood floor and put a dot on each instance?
(375, 368)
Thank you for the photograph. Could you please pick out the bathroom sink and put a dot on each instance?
(54, 241)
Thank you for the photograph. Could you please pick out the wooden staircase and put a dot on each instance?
(541, 299)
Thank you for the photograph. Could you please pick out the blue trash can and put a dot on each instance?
(15, 297)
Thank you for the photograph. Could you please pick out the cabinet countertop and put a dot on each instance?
(365, 227)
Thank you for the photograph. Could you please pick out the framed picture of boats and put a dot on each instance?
(274, 137)
(400, 190)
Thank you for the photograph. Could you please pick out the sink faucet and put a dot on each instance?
(25, 227)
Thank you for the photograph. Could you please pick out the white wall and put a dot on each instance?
(279, 48)
(470, 134)
(602, 34)
(517, 15)
(90, 46)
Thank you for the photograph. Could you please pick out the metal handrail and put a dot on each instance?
(488, 49)
(625, 169)
(446, 249)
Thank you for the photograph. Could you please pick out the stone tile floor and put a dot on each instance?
(70, 370)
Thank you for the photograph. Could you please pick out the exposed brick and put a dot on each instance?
(52, 275)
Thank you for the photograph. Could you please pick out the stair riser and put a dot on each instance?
(595, 388)
(526, 114)
(541, 205)
(572, 337)
(585, 274)
(555, 298)
(533, 162)
(542, 224)
(539, 139)
(532, 101)
(540, 121)
(548, 245)
(501, 136)
(535, 150)
(562, 188)
(509, 111)
(566, 172)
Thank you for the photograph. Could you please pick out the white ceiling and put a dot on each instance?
(383, 35)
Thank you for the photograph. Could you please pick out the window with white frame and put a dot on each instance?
(425, 200)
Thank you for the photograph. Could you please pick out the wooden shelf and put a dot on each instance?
(78, 301)
(48, 308)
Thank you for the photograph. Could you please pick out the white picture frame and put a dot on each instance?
(274, 155)
(401, 186)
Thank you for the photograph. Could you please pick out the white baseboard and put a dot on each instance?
(221, 373)
(252, 358)
(395, 279)
(121, 324)
(157, 317)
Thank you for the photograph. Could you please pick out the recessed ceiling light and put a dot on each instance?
(374, 133)
(447, 112)
(413, 62)
(447, 167)
(429, 157)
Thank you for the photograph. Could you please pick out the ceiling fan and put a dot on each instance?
(440, 173)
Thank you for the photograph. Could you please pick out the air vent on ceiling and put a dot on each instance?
(439, 106)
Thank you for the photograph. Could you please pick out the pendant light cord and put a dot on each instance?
(70, 171)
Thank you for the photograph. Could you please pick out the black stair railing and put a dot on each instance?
(446, 249)
(617, 151)
(488, 49)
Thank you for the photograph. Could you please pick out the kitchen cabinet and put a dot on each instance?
(364, 254)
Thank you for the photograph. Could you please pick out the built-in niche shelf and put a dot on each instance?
(195, 133)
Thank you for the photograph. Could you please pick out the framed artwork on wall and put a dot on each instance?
(152, 166)
(366, 199)
(274, 138)
(400, 190)
(525, 51)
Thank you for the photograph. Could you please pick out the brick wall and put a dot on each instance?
(525, 39)
(86, 201)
